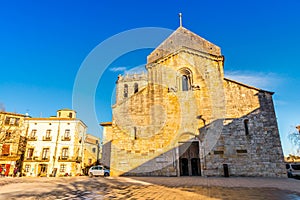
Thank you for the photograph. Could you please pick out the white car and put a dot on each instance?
(98, 171)
(293, 169)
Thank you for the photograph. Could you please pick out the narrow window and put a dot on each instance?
(136, 88)
(218, 152)
(12, 121)
(134, 129)
(8, 134)
(32, 134)
(45, 155)
(17, 123)
(29, 153)
(246, 121)
(7, 120)
(62, 168)
(27, 167)
(185, 83)
(48, 134)
(5, 149)
(125, 90)
(241, 151)
(64, 153)
(66, 135)
(94, 150)
(70, 115)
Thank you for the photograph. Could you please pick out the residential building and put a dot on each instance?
(91, 152)
(184, 118)
(55, 145)
(12, 141)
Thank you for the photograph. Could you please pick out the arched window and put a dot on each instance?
(125, 90)
(185, 83)
(184, 78)
(136, 88)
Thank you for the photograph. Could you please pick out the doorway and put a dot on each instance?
(42, 169)
(189, 160)
(195, 162)
(184, 167)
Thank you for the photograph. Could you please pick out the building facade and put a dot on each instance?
(185, 118)
(92, 154)
(12, 142)
(55, 145)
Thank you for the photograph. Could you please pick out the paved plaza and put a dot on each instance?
(149, 188)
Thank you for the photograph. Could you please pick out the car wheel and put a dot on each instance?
(91, 174)
(106, 174)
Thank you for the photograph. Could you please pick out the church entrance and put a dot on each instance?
(184, 167)
(189, 160)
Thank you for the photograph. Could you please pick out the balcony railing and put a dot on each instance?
(65, 138)
(47, 138)
(63, 158)
(32, 138)
(78, 159)
(37, 159)
(69, 159)
(8, 155)
(45, 158)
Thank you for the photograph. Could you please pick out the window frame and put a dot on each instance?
(62, 168)
(135, 88)
(45, 153)
(125, 91)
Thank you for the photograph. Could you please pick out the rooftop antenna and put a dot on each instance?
(180, 19)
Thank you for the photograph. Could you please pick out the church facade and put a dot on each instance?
(184, 118)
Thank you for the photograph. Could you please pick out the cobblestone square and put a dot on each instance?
(149, 188)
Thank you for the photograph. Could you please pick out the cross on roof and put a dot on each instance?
(180, 19)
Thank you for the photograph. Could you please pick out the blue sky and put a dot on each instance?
(43, 44)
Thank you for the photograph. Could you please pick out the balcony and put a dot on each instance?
(11, 156)
(65, 138)
(63, 158)
(37, 159)
(47, 138)
(78, 159)
(45, 158)
(69, 159)
(32, 138)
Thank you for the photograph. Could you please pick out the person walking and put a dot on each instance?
(15, 171)
(1, 169)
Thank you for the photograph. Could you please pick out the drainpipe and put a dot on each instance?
(55, 149)
(82, 148)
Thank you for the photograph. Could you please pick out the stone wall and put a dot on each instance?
(257, 152)
(149, 125)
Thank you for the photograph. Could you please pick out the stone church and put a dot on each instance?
(184, 118)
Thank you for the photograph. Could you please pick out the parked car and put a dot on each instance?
(98, 170)
(293, 169)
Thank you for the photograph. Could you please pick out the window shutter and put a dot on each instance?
(5, 149)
